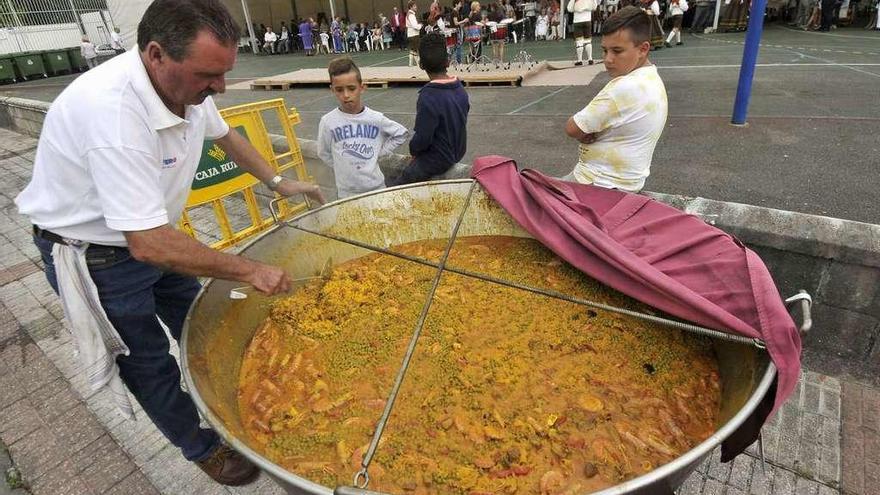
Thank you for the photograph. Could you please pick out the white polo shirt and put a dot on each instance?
(113, 158)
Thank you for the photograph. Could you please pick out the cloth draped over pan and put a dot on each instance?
(661, 256)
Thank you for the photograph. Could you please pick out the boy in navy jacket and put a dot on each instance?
(440, 134)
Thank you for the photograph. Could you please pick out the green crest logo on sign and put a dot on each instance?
(215, 167)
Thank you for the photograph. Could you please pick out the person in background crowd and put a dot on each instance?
(284, 40)
(703, 16)
(364, 37)
(542, 26)
(734, 16)
(459, 21)
(496, 15)
(554, 14)
(325, 43)
(476, 17)
(352, 39)
(652, 8)
(828, 14)
(305, 35)
(376, 37)
(260, 34)
(279, 45)
(295, 41)
(874, 22)
(434, 12)
(677, 8)
(413, 28)
(815, 19)
(387, 32)
(116, 41)
(114, 166)
(582, 29)
(269, 40)
(336, 33)
(509, 10)
(398, 25)
(618, 130)
(87, 51)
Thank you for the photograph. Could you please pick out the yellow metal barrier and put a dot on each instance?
(218, 178)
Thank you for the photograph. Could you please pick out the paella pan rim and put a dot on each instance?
(682, 464)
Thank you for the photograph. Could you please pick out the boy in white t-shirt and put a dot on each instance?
(619, 129)
(352, 137)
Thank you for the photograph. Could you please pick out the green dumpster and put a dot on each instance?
(7, 70)
(30, 64)
(76, 59)
(57, 61)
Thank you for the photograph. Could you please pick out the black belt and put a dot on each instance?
(49, 236)
(97, 256)
(57, 239)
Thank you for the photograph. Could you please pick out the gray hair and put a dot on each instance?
(174, 24)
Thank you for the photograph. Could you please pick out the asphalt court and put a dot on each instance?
(813, 116)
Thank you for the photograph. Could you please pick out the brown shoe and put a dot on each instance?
(228, 467)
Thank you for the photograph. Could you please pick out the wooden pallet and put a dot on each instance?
(271, 85)
(384, 77)
(503, 82)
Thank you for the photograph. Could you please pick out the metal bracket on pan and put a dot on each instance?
(806, 305)
(273, 206)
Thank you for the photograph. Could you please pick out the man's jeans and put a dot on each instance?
(133, 294)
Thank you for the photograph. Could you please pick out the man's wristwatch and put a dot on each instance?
(273, 182)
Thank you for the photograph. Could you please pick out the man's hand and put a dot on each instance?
(289, 187)
(269, 280)
(172, 250)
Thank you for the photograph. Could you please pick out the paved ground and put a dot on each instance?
(826, 440)
(66, 439)
(812, 132)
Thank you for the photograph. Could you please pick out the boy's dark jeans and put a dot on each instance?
(133, 294)
(418, 171)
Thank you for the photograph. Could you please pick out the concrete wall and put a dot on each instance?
(836, 261)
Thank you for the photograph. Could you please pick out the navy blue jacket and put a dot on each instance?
(440, 134)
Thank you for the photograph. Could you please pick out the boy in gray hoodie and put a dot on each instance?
(352, 137)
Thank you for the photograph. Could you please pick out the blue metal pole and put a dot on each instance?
(750, 57)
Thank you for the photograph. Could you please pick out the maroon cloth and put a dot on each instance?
(658, 255)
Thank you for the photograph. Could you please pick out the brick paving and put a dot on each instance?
(67, 439)
(861, 439)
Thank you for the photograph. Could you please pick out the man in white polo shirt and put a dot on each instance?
(619, 129)
(116, 157)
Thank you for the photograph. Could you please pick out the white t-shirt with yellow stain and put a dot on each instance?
(627, 116)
